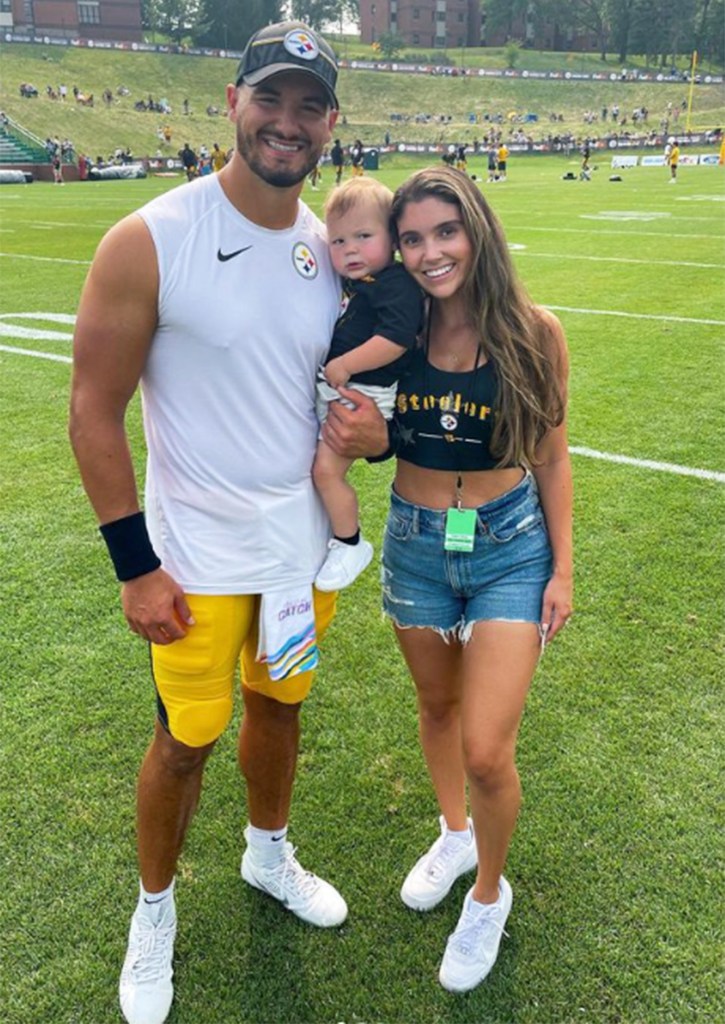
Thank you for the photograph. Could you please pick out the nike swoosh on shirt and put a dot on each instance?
(224, 256)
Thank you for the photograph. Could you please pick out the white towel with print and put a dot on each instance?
(287, 635)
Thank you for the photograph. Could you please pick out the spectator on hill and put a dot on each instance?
(63, 92)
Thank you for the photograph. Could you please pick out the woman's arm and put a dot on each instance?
(554, 479)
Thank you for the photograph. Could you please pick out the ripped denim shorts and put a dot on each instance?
(503, 579)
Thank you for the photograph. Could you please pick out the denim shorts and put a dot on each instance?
(503, 579)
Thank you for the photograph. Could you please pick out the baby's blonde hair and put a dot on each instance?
(359, 192)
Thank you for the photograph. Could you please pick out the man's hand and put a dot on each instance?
(358, 432)
(335, 373)
(156, 608)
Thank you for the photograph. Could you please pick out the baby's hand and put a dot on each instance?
(335, 373)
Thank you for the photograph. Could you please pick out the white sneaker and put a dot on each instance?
(473, 947)
(145, 990)
(432, 877)
(343, 564)
(306, 895)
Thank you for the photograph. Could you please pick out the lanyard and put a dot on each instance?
(466, 404)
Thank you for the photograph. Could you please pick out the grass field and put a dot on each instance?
(617, 864)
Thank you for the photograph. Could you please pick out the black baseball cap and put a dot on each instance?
(288, 46)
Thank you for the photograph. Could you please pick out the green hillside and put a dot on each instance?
(367, 99)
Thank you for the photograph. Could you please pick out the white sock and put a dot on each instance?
(268, 845)
(156, 905)
(464, 837)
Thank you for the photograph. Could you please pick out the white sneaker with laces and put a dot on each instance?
(145, 989)
(309, 897)
(432, 877)
(343, 564)
(473, 947)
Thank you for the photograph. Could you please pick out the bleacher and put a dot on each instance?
(18, 146)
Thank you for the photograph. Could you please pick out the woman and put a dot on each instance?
(477, 559)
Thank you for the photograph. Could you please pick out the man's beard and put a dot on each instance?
(278, 178)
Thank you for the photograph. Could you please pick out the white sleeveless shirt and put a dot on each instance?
(245, 318)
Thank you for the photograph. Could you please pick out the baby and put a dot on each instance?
(378, 325)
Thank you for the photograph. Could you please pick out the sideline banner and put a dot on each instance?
(377, 65)
(653, 161)
(624, 161)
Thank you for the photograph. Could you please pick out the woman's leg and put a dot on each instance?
(436, 668)
(498, 665)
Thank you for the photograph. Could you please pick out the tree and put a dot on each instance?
(174, 18)
(228, 24)
(621, 12)
(390, 44)
(316, 13)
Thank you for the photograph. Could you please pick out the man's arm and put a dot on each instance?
(115, 324)
(357, 433)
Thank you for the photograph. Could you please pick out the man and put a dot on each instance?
(503, 155)
(337, 158)
(672, 157)
(183, 299)
(585, 173)
(356, 159)
(189, 160)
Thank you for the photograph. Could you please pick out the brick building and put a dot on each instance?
(426, 23)
(451, 24)
(73, 19)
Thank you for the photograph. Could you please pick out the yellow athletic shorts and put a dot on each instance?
(194, 677)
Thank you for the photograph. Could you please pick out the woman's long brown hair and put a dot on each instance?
(530, 400)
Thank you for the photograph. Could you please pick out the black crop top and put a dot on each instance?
(445, 420)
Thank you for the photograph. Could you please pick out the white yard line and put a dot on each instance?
(662, 467)
(37, 355)
(605, 231)
(635, 316)
(618, 259)
(44, 259)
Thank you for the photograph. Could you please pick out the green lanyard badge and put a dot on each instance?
(460, 525)
(460, 529)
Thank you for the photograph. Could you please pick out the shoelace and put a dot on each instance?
(303, 883)
(152, 953)
(464, 940)
(443, 856)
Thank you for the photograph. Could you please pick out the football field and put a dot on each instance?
(617, 863)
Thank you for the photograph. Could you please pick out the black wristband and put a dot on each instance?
(130, 547)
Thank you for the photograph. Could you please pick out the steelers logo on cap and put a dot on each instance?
(301, 44)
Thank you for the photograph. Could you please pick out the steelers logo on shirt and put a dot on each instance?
(449, 421)
(304, 260)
